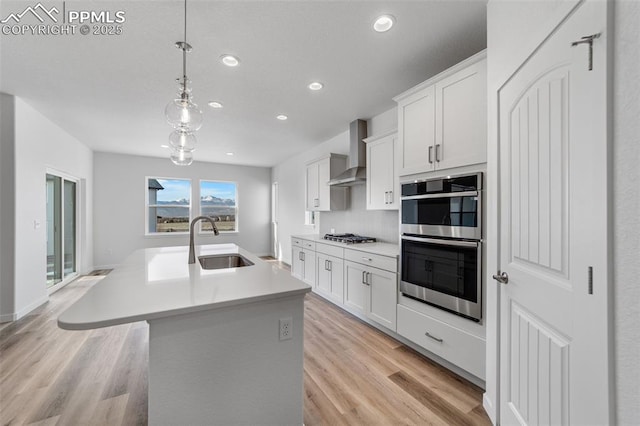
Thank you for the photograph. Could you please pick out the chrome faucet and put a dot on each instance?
(192, 255)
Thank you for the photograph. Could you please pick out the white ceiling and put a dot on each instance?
(110, 91)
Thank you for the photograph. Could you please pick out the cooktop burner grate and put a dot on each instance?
(349, 238)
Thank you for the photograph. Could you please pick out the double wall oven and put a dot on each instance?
(441, 243)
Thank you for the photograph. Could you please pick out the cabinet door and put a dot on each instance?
(381, 176)
(297, 264)
(355, 287)
(382, 300)
(461, 118)
(416, 132)
(313, 198)
(336, 268)
(324, 193)
(309, 260)
(323, 275)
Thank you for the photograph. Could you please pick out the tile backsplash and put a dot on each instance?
(381, 224)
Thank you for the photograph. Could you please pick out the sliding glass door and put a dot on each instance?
(61, 229)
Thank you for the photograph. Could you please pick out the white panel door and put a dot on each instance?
(553, 230)
(383, 297)
(416, 121)
(313, 196)
(355, 287)
(461, 118)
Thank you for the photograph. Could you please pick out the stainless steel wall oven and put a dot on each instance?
(441, 247)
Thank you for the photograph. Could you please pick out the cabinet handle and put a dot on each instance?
(368, 278)
(367, 259)
(300, 255)
(433, 337)
(303, 256)
(329, 265)
(364, 277)
(316, 202)
(430, 152)
(437, 153)
(390, 197)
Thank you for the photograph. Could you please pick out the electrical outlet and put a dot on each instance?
(286, 328)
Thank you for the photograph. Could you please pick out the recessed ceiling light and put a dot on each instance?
(316, 85)
(215, 104)
(230, 60)
(282, 117)
(384, 23)
(164, 146)
(230, 153)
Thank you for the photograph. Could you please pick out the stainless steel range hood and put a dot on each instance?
(357, 172)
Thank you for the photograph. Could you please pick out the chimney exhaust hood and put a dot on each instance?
(357, 172)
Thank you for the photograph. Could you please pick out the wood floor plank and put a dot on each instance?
(353, 373)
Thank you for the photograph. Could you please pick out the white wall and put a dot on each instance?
(7, 203)
(119, 206)
(626, 209)
(290, 176)
(514, 29)
(41, 144)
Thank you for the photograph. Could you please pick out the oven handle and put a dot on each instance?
(455, 243)
(443, 195)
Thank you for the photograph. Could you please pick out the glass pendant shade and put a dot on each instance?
(183, 114)
(181, 158)
(182, 140)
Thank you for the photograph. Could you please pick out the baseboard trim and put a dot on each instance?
(8, 318)
(30, 307)
(489, 408)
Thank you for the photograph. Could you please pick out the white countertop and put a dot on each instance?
(158, 282)
(383, 249)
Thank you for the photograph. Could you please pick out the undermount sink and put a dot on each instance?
(223, 261)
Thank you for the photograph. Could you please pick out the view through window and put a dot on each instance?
(218, 200)
(169, 205)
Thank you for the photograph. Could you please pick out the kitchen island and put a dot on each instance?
(216, 350)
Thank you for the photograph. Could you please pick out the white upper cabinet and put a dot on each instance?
(319, 195)
(443, 121)
(382, 172)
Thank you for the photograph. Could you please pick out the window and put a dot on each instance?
(218, 200)
(168, 204)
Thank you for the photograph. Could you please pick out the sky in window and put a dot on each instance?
(224, 190)
(174, 189)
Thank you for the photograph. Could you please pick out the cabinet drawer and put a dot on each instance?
(309, 244)
(330, 250)
(296, 242)
(456, 346)
(377, 261)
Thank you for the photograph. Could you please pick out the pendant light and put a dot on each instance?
(182, 113)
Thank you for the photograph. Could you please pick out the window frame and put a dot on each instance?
(236, 206)
(148, 206)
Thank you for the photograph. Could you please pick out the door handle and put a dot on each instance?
(430, 152)
(437, 339)
(501, 277)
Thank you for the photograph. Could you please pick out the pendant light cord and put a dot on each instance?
(184, 52)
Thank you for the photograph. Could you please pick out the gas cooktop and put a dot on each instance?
(349, 238)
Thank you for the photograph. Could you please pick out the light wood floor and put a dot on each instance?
(353, 373)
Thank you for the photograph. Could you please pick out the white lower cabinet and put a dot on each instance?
(303, 260)
(372, 292)
(330, 277)
(450, 343)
